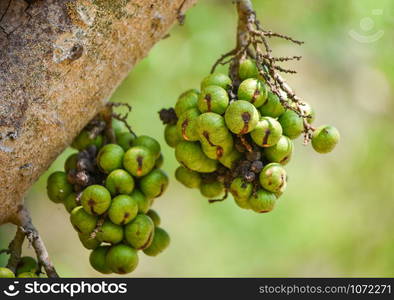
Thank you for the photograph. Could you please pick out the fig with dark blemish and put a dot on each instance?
(121, 259)
(139, 232)
(95, 199)
(123, 209)
(139, 161)
(273, 178)
(214, 99)
(119, 182)
(254, 91)
(262, 201)
(154, 184)
(241, 117)
(267, 132)
(187, 125)
(281, 152)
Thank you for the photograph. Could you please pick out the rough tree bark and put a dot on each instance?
(60, 61)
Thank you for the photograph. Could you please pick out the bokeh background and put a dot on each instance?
(337, 215)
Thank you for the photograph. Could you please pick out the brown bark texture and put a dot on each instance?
(60, 60)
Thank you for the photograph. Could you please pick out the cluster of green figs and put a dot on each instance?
(238, 138)
(108, 190)
(27, 268)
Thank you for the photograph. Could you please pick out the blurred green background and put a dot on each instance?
(336, 217)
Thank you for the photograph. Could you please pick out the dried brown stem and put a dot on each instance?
(15, 249)
(27, 228)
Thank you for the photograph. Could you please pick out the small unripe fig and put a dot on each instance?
(187, 125)
(281, 152)
(212, 189)
(6, 273)
(125, 140)
(88, 242)
(192, 157)
(160, 242)
(325, 138)
(143, 202)
(267, 132)
(272, 107)
(241, 191)
(230, 159)
(82, 221)
(57, 187)
(119, 127)
(218, 79)
(186, 101)
(213, 98)
(273, 178)
(139, 232)
(241, 117)
(121, 259)
(97, 259)
(28, 275)
(159, 161)
(188, 178)
(212, 128)
(139, 161)
(70, 202)
(248, 69)
(254, 91)
(292, 124)
(172, 136)
(110, 158)
(123, 209)
(218, 150)
(84, 140)
(119, 182)
(110, 233)
(150, 143)
(95, 199)
(263, 201)
(71, 162)
(154, 216)
(26, 264)
(154, 184)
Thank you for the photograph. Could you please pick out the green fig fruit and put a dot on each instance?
(272, 107)
(82, 221)
(218, 79)
(154, 216)
(241, 191)
(254, 91)
(139, 161)
(192, 157)
(188, 178)
(230, 159)
(262, 201)
(325, 138)
(139, 232)
(70, 202)
(95, 199)
(217, 151)
(248, 69)
(143, 202)
(267, 132)
(212, 189)
(85, 139)
(58, 187)
(213, 98)
(98, 258)
(88, 242)
(186, 101)
(125, 140)
(154, 184)
(121, 259)
(292, 124)
(71, 162)
(119, 182)
(26, 264)
(123, 209)
(110, 158)
(241, 117)
(187, 125)
(172, 136)
(110, 233)
(161, 241)
(212, 128)
(150, 143)
(273, 178)
(6, 273)
(281, 152)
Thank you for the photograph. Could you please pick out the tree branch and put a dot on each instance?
(31, 233)
(15, 249)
